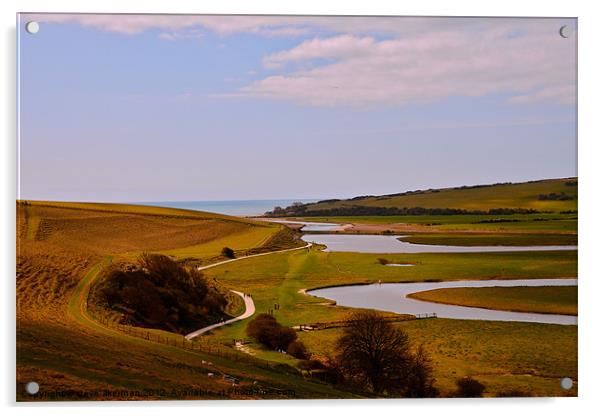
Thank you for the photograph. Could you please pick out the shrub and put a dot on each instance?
(266, 330)
(383, 261)
(228, 252)
(469, 388)
(297, 349)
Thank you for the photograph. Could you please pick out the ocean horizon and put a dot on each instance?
(230, 207)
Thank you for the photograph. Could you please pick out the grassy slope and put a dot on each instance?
(503, 356)
(519, 195)
(548, 300)
(61, 247)
(279, 278)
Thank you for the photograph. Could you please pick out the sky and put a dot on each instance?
(134, 108)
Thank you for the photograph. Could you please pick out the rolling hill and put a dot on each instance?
(62, 248)
(554, 195)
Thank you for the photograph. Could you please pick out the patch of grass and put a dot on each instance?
(547, 300)
(502, 355)
(532, 223)
(492, 239)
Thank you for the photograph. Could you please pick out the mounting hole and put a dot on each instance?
(566, 383)
(32, 27)
(565, 31)
(32, 388)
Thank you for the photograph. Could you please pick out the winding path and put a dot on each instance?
(309, 244)
(249, 311)
(249, 304)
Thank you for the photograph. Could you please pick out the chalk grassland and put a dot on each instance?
(517, 195)
(63, 246)
(547, 300)
(58, 242)
(281, 279)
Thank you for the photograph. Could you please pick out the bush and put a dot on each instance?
(160, 293)
(383, 261)
(469, 388)
(297, 349)
(266, 330)
(228, 252)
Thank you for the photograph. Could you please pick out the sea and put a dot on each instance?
(232, 207)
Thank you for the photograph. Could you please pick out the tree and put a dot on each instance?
(420, 381)
(376, 355)
(228, 252)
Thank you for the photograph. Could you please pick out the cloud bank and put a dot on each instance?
(366, 61)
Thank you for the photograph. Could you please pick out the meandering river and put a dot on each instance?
(387, 244)
(391, 244)
(392, 297)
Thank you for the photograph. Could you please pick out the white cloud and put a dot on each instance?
(535, 64)
(383, 60)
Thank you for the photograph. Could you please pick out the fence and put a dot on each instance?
(346, 323)
(206, 346)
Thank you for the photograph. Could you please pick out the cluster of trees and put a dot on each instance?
(557, 196)
(358, 210)
(266, 330)
(160, 293)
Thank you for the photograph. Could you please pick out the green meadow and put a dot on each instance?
(547, 300)
(457, 347)
(523, 223)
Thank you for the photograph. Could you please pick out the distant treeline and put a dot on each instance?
(557, 196)
(357, 210)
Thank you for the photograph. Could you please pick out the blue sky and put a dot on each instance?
(147, 108)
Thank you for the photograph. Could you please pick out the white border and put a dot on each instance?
(590, 68)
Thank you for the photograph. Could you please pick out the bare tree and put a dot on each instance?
(376, 355)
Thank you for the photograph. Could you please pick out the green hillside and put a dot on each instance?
(554, 195)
